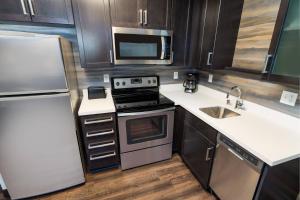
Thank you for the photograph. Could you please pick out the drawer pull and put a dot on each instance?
(99, 145)
(94, 134)
(97, 121)
(96, 157)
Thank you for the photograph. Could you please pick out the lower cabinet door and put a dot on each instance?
(197, 153)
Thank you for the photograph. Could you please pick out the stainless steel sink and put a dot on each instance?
(219, 112)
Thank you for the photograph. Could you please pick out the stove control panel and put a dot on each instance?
(135, 82)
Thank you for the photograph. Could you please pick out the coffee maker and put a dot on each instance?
(190, 84)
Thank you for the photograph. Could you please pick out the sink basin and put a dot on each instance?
(219, 112)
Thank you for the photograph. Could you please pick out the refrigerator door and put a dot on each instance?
(39, 150)
(30, 65)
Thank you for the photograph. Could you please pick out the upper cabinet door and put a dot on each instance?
(209, 34)
(255, 34)
(94, 32)
(15, 10)
(157, 15)
(286, 62)
(50, 11)
(126, 13)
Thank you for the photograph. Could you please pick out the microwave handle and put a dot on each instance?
(111, 56)
(163, 48)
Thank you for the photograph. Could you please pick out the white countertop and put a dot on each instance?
(272, 136)
(96, 106)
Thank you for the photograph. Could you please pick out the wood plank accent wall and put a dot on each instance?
(255, 33)
(89, 77)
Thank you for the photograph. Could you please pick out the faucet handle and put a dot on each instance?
(239, 104)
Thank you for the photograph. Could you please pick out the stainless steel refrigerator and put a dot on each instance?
(39, 151)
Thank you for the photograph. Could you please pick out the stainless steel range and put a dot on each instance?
(145, 120)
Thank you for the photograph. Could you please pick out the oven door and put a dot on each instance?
(142, 46)
(145, 129)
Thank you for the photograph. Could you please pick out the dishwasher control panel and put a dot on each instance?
(239, 150)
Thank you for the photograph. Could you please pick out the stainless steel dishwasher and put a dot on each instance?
(235, 172)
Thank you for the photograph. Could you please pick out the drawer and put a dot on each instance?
(101, 146)
(98, 121)
(100, 160)
(209, 132)
(99, 134)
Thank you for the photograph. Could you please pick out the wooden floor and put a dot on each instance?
(169, 179)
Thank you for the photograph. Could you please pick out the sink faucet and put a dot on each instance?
(239, 102)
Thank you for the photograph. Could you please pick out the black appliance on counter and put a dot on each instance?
(145, 120)
(191, 83)
(96, 92)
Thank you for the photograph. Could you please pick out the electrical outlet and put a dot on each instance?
(175, 76)
(288, 98)
(210, 78)
(106, 78)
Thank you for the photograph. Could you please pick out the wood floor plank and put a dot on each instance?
(166, 180)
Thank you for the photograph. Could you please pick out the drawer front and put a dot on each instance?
(100, 134)
(95, 121)
(100, 160)
(101, 146)
(207, 131)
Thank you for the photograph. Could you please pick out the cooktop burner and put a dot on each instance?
(138, 94)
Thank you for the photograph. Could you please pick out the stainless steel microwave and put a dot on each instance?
(142, 46)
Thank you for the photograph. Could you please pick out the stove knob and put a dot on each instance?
(123, 83)
(154, 80)
(117, 83)
(149, 81)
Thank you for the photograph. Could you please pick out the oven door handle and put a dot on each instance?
(145, 113)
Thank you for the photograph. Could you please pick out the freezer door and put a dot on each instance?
(39, 150)
(31, 65)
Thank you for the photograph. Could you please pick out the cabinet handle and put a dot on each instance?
(93, 134)
(208, 62)
(267, 59)
(31, 7)
(207, 158)
(95, 157)
(97, 145)
(145, 17)
(97, 121)
(140, 16)
(110, 56)
(23, 7)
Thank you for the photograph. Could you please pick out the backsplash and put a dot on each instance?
(89, 77)
(261, 92)
(258, 91)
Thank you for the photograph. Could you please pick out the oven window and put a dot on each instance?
(128, 49)
(137, 47)
(146, 129)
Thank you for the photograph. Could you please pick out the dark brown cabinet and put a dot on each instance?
(45, 11)
(154, 14)
(49, 11)
(158, 14)
(126, 13)
(93, 27)
(280, 182)
(100, 141)
(178, 129)
(14, 10)
(214, 30)
(198, 147)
